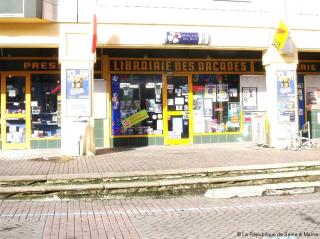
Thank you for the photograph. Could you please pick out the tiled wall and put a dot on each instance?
(99, 132)
(314, 116)
(45, 143)
(137, 141)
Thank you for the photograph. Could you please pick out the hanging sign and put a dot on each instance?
(134, 119)
(281, 36)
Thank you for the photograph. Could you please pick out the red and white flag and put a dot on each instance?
(94, 33)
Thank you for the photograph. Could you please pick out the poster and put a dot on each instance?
(286, 96)
(78, 95)
(249, 98)
(177, 124)
(233, 92)
(135, 119)
(210, 91)
(223, 94)
(77, 83)
(234, 115)
(208, 107)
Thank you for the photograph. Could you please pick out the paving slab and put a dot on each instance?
(151, 160)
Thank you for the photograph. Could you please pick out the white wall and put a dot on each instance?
(259, 82)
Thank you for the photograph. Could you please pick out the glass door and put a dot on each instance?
(178, 97)
(15, 111)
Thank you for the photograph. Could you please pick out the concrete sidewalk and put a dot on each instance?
(149, 159)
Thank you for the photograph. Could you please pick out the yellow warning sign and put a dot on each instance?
(281, 36)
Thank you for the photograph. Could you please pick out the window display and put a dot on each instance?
(45, 92)
(15, 95)
(132, 94)
(216, 105)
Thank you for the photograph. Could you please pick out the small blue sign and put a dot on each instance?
(187, 38)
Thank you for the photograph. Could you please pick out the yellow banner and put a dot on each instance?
(281, 36)
(135, 119)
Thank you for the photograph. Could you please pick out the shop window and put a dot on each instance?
(216, 106)
(137, 104)
(45, 105)
(15, 95)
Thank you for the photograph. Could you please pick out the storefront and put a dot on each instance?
(30, 103)
(180, 101)
(31, 98)
(309, 92)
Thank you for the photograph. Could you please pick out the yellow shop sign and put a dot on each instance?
(134, 119)
(281, 36)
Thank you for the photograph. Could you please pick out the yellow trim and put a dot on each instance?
(107, 122)
(179, 141)
(138, 136)
(10, 116)
(167, 113)
(175, 113)
(26, 116)
(190, 108)
(165, 107)
(3, 110)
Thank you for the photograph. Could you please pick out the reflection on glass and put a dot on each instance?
(45, 108)
(16, 130)
(216, 106)
(131, 94)
(15, 94)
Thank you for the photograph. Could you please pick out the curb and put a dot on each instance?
(83, 176)
(264, 190)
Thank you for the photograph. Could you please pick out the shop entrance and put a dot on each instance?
(178, 99)
(15, 111)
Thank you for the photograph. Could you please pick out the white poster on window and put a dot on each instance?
(177, 125)
(249, 98)
(223, 94)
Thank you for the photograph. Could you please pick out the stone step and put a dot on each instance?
(134, 184)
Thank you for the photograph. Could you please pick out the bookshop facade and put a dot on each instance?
(182, 101)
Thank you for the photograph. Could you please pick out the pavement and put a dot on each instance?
(151, 159)
(197, 217)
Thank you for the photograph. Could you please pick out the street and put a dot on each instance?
(181, 217)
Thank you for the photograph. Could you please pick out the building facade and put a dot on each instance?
(166, 72)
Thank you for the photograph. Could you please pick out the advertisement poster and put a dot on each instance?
(223, 94)
(286, 96)
(78, 100)
(135, 119)
(249, 98)
(78, 83)
(208, 107)
(115, 105)
(233, 114)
